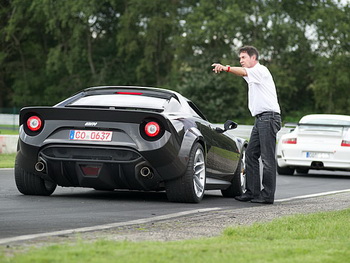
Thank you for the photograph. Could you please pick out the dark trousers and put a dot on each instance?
(262, 144)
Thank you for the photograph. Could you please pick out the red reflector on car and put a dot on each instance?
(128, 93)
(152, 129)
(290, 141)
(90, 170)
(34, 123)
(345, 143)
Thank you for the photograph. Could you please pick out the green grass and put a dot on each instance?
(11, 130)
(7, 160)
(322, 237)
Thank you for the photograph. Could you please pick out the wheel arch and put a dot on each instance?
(200, 140)
(191, 137)
(241, 143)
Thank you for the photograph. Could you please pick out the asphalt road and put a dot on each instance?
(71, 208)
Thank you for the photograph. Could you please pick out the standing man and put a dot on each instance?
(263, 105)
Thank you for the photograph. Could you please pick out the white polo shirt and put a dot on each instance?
(262, 94)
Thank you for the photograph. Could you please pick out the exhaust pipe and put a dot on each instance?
(317, 165)
(39, 166)
(146, 171)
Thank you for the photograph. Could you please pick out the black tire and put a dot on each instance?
(238, 184)
(190, 187)
(285, 170)
(30, 184)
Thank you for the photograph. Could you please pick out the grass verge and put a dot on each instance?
(12, 131)
(321, 237)
(7, 160)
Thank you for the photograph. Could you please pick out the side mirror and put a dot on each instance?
(230, 125)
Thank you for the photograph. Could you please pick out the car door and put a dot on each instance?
(222, 151)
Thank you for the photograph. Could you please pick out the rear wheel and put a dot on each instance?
(31, 184)
(190, 187)
(285, 170)
(238, 186)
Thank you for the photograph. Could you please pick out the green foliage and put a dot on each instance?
(50, 49)
(220, 98)
(330, 88)
(145, 40)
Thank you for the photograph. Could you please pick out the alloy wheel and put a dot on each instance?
(199, 173)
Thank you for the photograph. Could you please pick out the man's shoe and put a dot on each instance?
(244, 198)
(261, 201)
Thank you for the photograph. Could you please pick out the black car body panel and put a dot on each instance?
(128, 158)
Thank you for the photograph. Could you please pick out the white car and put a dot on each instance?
(319, 141)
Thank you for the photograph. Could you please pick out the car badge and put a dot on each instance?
(90, 124)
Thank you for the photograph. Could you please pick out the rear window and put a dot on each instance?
(122, 101)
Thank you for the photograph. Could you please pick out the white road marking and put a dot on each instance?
(106, 226)
(312, 195)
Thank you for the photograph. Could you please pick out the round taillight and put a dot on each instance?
(34, 123)
(152, 129)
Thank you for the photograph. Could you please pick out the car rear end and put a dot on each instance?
(104, 139)
(316, 146)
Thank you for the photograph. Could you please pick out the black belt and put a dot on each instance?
(267, 113)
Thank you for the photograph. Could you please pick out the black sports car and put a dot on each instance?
(134, 138)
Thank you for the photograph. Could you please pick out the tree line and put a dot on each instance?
(50, 49)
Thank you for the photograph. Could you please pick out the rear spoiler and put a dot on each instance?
(295, 124)
(141, 91)
(290, 124)
(324, 125)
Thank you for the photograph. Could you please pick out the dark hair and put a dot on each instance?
(250, 50)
